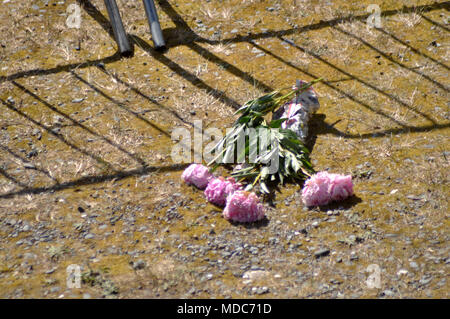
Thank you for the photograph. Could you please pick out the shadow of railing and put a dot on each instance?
(119, 104)
(107, 166)
(145, 96)
(25, 161)
(61, 68)
(330, 23)
(347, 95)
(436, 83)
(95, 179)
(5, 174)
(437, 24)
(188, 76)
(321, 128)
(180, 24)
(80, 125)
(412, 48)
(373, 87)
(404, 128)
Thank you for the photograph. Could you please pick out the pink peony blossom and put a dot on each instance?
(341, 187)
(243, 207)
(315, 190)
(323, 187)
(219, 188)
(198, 175)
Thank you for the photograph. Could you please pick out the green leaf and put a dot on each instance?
(214, 168)
(281, 177)
(244, 119)
(296, 165)
(284, 143)
(277, 123)
(290, 134)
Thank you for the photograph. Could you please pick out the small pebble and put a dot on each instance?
(55, 289)
(402, 272)
(322, 252)
(425, 280)
(209, 276)
(260, 290)
(140, 264)
(29, 166)
(50, 271)
(89, 236)
(387, 293)
(413, 265)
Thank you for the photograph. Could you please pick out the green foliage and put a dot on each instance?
(293, 156)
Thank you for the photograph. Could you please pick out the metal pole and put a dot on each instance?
(153, 21)
(117, 25)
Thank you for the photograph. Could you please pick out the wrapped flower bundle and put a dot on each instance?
(323, 188)
(298, 111)
(219, 188)
(197, 175)
(243, 207)
(286, 131)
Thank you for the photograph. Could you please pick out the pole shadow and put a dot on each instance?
(95, 179)
(194, 80)
(390, 96)
(437, 24)
(25, 161)
(106, 166)
(61, 68)
(325, 128)
(80, 125)
(412, 48)
(436, 83)
(5, 174)
(119, 104)
(145, 96)
(331, 23)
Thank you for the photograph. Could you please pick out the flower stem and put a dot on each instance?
(257, 178)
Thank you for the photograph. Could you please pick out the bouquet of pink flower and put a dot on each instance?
(323, 188)
(219, 188)
(198, 175)
(243, 207)
(240, 206)
(288, 131)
